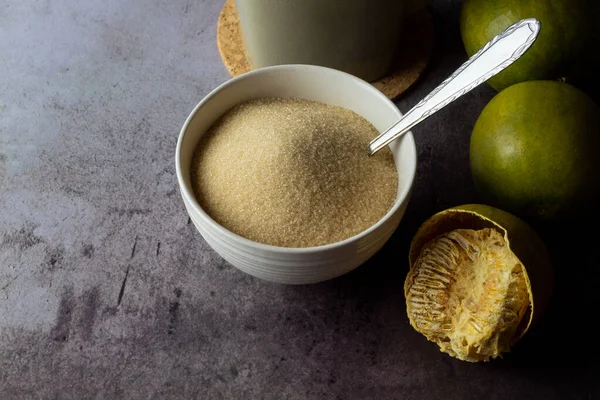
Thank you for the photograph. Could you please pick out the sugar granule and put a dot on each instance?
(293, 173)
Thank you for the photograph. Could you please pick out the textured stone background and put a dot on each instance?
(106, 290)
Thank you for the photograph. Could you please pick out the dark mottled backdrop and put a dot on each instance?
(107, 291)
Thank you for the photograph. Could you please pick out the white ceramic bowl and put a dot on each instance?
(296, 265)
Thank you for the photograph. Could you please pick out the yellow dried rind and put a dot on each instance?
(520, 239)
(467, 293)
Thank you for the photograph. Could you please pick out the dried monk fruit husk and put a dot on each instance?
(467, 290)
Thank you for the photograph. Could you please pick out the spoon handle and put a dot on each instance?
(500, 52)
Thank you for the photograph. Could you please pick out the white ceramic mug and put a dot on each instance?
(355, 36)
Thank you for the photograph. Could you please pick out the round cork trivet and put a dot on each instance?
(414, 50)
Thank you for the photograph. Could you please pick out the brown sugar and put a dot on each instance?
(293, 173)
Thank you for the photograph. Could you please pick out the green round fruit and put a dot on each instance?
(554, 55)
(535, 151)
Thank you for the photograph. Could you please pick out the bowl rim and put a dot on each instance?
(229, 235)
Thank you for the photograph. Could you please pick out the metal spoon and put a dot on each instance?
(500, 52)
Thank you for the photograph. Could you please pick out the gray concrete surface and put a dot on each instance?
(108, 292)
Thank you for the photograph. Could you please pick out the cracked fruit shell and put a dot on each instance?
(479, 278)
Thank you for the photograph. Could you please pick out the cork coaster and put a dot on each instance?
(414, 50)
